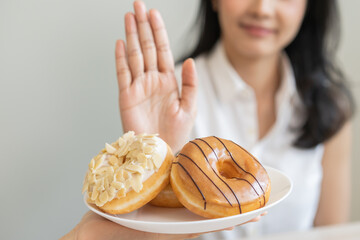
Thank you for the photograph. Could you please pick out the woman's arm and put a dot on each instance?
(334, 205)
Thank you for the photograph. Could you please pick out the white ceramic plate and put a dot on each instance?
(182, 221)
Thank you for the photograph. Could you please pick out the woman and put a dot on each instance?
(266, 79)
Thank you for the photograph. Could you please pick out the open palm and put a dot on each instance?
(149, 97)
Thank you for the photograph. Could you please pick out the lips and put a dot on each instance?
(257, 30)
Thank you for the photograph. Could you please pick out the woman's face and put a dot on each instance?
(258, 28)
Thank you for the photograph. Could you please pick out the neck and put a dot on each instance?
(260, 73)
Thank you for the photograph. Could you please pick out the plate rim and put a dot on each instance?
(197, 221)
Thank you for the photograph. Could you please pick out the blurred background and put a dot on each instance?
(58, 101)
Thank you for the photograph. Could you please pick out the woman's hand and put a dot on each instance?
(95, 227)
(149, 97)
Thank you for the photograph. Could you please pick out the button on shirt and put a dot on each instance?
(227, 109)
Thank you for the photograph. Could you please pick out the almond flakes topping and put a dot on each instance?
(121, 167)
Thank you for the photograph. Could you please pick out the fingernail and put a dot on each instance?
(141, 5)
(157, 15)
(130, 22)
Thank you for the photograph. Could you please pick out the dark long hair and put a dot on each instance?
(320, 83)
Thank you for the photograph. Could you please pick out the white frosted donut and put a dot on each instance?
(128, 173)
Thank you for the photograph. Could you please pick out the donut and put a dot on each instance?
(128, 173)
(166, 198)
(216, 178)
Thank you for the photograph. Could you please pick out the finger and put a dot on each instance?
(189, 86)
(135, 57)
(229, 229)
(165, 58)
(174, 236)
(264, 214)
(192, 236)
(224, 229)
(122, 68)
(145, 36)
(255, 219)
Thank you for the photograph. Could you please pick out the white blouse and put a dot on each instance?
(227, 109)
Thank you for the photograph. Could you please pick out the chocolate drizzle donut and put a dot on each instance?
(214, 177)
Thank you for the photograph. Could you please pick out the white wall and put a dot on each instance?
(58, 101)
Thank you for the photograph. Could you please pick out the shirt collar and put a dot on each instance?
(228, 83)
(226, 80)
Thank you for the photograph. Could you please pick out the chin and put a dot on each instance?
(251, 46)
(256, 51)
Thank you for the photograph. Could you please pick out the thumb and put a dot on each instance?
(189, 86)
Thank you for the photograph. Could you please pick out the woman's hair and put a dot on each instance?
(320, 83)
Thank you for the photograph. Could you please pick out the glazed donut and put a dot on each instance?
(128, 173)
(215, 178)
(166, 198)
